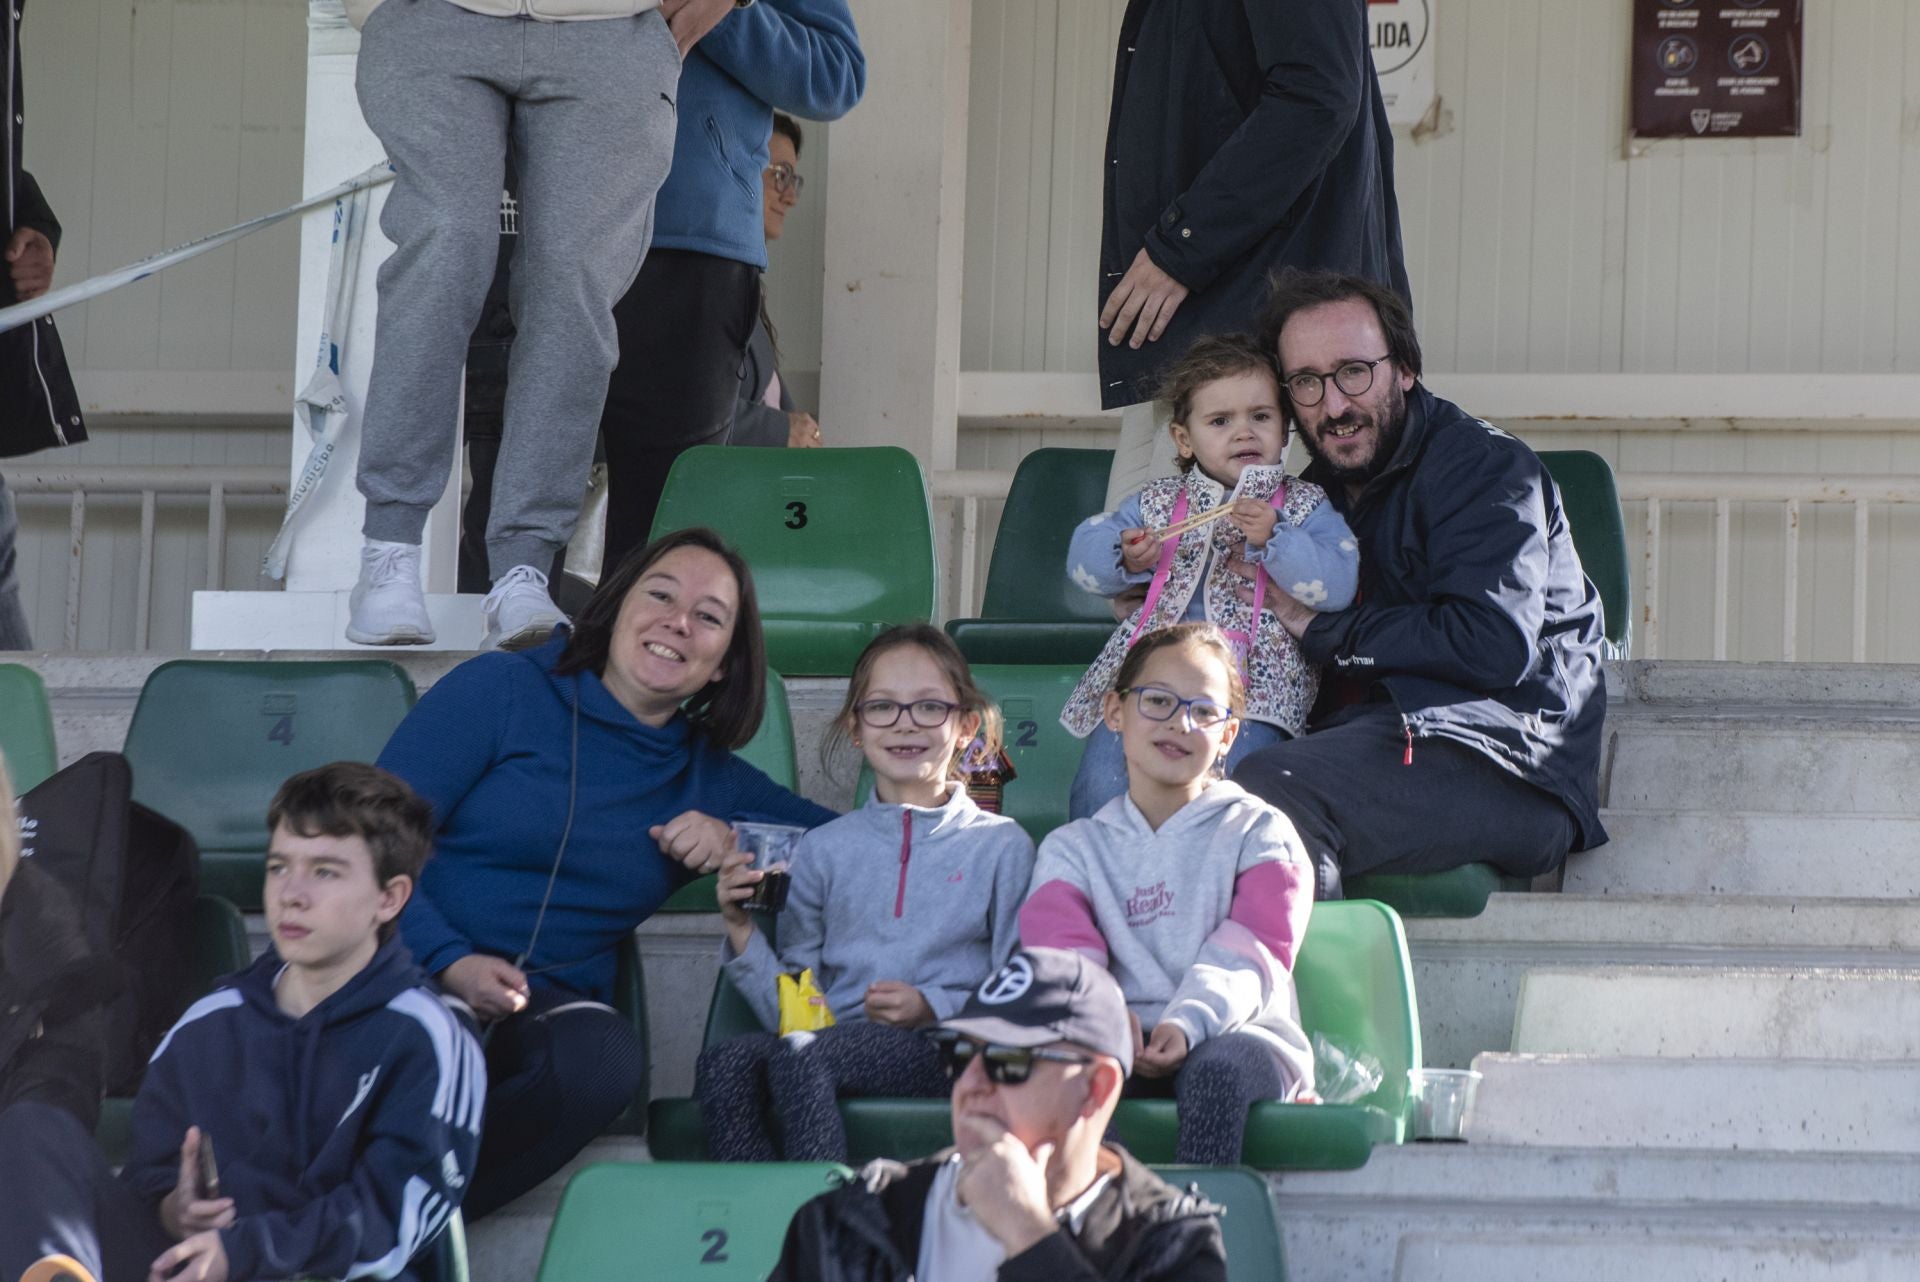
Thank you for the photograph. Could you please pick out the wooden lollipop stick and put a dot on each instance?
(1194, 522)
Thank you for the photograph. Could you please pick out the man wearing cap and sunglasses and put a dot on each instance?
(1037, 1057)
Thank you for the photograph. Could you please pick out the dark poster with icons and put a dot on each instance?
(1716, 68)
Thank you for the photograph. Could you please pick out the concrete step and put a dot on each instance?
(1454, 1257)
(1341, 1225)
(1677, 852)
(1771, 1105)
(1467, 971)
(1831, 763)
(1716, 1013)
(506, 1246)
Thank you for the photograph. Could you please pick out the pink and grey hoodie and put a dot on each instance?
(1199, 922)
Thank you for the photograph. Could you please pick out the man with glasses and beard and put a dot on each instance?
(1461, 709)
(1029, 1191)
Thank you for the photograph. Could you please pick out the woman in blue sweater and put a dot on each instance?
(576, 787)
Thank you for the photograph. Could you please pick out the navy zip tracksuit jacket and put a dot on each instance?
(346, 1137)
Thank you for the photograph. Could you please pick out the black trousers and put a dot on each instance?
(1360, 808)
(557, 1074)
(684, 327)
(59, 1196)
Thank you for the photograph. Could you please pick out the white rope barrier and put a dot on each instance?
(48, 303)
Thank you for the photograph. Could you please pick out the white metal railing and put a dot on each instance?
(969, 489)
(218, 483)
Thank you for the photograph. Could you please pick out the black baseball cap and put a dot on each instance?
(1045, 995)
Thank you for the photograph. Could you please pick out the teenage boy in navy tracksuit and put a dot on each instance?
(328, 1092)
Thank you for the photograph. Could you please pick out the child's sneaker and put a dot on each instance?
(387, 606)
(519, 613)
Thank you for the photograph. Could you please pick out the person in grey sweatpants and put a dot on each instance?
(588, 107)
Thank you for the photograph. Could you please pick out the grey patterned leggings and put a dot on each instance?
(1221, 1080)
(744, 1078)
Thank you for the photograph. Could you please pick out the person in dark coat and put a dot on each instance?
(1243, 137)
(1461, 712)
(1028, 1193)
(38, 405)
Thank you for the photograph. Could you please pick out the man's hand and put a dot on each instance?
(1145, 299)
(699, 841)
(888, 1001)
(802, 432)
(1254, 518)
(201, 1258)
(689, 20)
(493, 986)
(184, 1212)
(1139, 550)
(1002, 1184)
(1293, 616)
(30, 261)
(1164, 1052)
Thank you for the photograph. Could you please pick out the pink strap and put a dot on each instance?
(1165, 567)
(1160, 571)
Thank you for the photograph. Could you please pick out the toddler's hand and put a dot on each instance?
(1254, 518)
(1139, 550)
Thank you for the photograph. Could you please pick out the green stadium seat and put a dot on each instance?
(630, 999)
(26, 727)
(212, 740)
(1355, 984)
(770, 749)
(840, 541)
(1247, 1222)
(638, 1221)
(446, 1259)
(1044, 755)
(1592, 505)
(1458, 892)
(1030, 612)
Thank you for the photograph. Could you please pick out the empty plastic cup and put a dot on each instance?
(1442, 1098)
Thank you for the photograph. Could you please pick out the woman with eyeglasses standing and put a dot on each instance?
(765, 414)
(1193, 892)
(685, 323)
(899, 909)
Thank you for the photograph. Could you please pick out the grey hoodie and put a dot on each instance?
(1199, 922)
(926, 897)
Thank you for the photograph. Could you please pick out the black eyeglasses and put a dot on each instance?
(928, 714)
(786, 179)
(1353, 378)
(1003, 1065)
(1164, 705)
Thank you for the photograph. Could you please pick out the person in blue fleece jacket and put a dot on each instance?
(686, 320)
(576, 787)
(331, 1094)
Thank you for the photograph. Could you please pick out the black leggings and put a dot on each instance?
(1223, 1078)
(1361, 808)
(557, 1074)
(740, 1078)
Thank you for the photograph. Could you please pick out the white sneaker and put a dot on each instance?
(387, 606)
(518, 612)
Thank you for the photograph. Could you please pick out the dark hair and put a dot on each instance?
(1202, 636)
(1211, 358)
(787, 125)
(1294, 290)
(953, 665)
(726, 711)
(353, 799)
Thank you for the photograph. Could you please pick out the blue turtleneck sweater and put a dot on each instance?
(489, 746)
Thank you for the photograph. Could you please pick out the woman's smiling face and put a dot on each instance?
(672, 633)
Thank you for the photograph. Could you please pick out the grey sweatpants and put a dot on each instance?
(589, 109)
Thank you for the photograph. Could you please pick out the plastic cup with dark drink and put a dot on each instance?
(771, 846)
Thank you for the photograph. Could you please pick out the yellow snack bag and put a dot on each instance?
(803, 1007)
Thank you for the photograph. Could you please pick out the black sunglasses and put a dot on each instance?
(1003, 1065)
